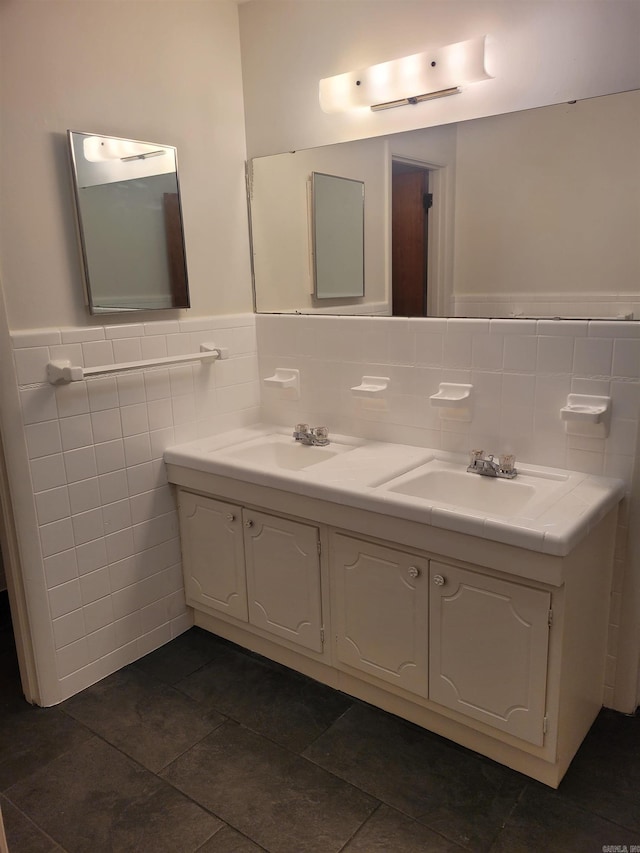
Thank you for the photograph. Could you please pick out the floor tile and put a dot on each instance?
(279, 800)
(604, 777)
(96, 799)
(30, 737)
(148, 720)
(272, 700)
(542, 821)
(227, 840)
(182, 656)
(451, 790)
(66, 791)
(389, 831)
(23, 836)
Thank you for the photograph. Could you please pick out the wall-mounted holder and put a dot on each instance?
(453, 400)
(286, 380)
(371, 386)
(587, 415)
(372, 392)
(62, 372)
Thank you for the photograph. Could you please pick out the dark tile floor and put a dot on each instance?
(202, 746)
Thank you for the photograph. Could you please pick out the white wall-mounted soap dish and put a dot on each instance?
(586, 414)
(454, 401)
(287, 380)
(371, 386)
(372, 394)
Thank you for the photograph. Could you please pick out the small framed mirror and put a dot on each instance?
(129, 220)
(338, 236)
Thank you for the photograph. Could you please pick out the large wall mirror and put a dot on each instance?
(527, 214)
(129, 223)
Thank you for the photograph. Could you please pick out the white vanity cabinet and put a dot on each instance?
(213, 554)
(488, 649)
(465, 640)
(253, 567)
(380, 608)
(282, 560)
(495, 646)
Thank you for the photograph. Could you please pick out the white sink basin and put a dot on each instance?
(440, 482)
(282, 452)
(470, 491)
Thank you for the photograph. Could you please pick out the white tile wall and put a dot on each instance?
(521, 370)
(107, 517)
(541, 304)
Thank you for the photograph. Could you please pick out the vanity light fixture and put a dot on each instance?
(144, 156)
(409, 80)
(416, 99)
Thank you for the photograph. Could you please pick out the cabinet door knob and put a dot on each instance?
(438, 580)
(230, 516)
(413, 572)
(248, 523)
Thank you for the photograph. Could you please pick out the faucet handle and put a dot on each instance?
(507, 462)
(476, 456)
(321, 432)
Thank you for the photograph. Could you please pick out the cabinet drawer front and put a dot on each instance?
(380, 612)
(213, 554)
(283, 578)
(488, 649)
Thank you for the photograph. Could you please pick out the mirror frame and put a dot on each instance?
(174, 243)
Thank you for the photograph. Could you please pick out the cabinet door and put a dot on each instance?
(380, 607)
(488, 643)
(283, 578)
(213, 554)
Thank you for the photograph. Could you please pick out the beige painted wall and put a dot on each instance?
(164, 72)
(539, 52)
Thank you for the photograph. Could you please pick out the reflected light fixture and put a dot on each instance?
(144, 156)
(102, 149)
(409, 80)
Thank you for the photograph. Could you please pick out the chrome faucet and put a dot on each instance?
(313, 436)
(488, 467)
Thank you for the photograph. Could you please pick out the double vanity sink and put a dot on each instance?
(474, 606)
(543, 509)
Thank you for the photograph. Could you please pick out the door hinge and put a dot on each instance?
(545, 724)
(550, 618)
(248, 176)
(322, 636)
(427, 201)
(319, 547)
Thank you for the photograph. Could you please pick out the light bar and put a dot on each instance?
(409, 80)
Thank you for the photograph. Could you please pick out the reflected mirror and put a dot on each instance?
(129, 223)
(531, 214)
(338, 236)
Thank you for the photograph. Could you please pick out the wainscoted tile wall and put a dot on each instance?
(521, 372)
(107, 520)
